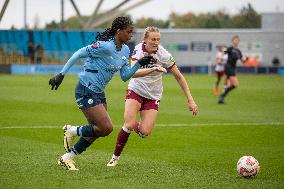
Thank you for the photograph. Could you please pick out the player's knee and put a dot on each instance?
(129, 121)
(235, 85)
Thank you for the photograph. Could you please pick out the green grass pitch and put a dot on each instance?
(182, 152)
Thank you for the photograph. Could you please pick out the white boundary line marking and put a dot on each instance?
(158, 125)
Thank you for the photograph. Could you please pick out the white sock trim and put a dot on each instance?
(73, 130)
(115, 157)
(68, 155)
(126, 130)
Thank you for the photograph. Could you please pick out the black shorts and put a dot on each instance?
(229, 71)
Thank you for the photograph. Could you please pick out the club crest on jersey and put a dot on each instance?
(123, 58)
(90, 101)
(134, 52)
(96, 45)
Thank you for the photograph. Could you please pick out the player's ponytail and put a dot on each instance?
(118, 23)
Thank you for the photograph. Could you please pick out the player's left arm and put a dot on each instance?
(184, 86)
(127, 71)
(243, 58)
(57, 80)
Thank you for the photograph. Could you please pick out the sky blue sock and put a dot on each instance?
(81, 146)
(86, 131)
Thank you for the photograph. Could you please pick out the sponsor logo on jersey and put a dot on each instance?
(112, 68)
(96, 45)
(124, 58)
(172, 59)
(134, 52)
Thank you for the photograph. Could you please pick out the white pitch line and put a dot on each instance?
(158, 125)
(217, 124)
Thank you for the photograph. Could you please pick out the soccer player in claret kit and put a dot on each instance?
(234, 54)
(145, 91)
(104, 58)
(221, 60)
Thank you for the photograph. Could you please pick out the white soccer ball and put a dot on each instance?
(248, 166)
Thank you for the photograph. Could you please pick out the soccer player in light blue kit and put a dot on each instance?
(104, 58)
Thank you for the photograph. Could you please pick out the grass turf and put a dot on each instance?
(250, 123)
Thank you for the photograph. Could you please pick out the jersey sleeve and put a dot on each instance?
(167, 59)
(99, 49)
(81, 53)
(136, 55)
(229, 50)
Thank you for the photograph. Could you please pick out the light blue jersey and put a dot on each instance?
(103, 60)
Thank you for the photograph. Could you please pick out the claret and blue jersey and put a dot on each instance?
(103, 60)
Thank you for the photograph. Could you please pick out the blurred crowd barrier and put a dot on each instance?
(45, 57)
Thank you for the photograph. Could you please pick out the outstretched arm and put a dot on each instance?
(81, 53)
(145, 71)
(126, 72)
(183, 84)
(57, 80)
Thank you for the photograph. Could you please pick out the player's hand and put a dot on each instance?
(146, 60)
(193, 107)
(161, 69)
(56, 81)
(245, 58)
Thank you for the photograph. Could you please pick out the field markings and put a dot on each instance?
(158, 125)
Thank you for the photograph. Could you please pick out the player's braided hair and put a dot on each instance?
(150, 29)
(119, 23)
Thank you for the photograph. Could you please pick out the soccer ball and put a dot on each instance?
(248, 166)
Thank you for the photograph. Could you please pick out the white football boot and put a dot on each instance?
(68, 164)
(68, 138)
(113, 162)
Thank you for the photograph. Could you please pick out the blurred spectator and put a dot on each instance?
(39, 53)
(275, 61)
(31, 51)
(221, 60)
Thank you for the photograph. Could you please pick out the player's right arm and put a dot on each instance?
(145, 71)
(228, 51)
(137, 54)
(57, 80)
(97, 49)
(81, 53)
